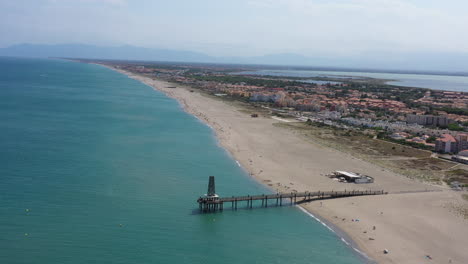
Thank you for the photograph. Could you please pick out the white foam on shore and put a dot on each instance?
(318, 220)
(360, 252)
(238, 164)
(331, 229)
(344, 241)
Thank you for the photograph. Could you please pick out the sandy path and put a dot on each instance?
(409, 225)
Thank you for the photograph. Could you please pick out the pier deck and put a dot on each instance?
(215, 203)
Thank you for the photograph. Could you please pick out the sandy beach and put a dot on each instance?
(416, 222)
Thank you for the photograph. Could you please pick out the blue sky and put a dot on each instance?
(243, 27)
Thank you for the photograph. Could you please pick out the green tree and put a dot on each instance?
(431, 139)
(455, 127)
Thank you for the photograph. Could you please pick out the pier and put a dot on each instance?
(211, 202)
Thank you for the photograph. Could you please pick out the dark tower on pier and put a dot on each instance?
(211, 187)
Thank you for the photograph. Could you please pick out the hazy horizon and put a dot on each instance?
(423, 35)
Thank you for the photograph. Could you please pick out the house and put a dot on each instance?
(429, 120)
(462, 142)
(446, 144)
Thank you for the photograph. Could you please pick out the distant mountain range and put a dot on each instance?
(413, 61)
(143, 54)
(97, 52)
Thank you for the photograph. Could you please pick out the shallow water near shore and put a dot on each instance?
(99, 168)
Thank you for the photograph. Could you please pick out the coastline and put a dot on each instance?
(288, 169)
(341, 234)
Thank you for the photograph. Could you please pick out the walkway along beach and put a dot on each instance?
(413, 221)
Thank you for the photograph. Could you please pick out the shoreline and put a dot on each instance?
(327, 215)
(339, 233)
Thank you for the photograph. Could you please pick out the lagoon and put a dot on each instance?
(430, 81)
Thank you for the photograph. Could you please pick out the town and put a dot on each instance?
(433, 120)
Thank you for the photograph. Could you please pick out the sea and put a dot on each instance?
(100, 168)
(444, 82)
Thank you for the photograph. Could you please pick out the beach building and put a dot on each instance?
(429, 120)
(353, 177)
(446, 144)
(452, 144)
(462, 142)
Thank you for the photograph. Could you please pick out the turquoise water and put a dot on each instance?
(436, 82)
(99, 168)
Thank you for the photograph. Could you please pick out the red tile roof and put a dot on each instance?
(447, 138)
